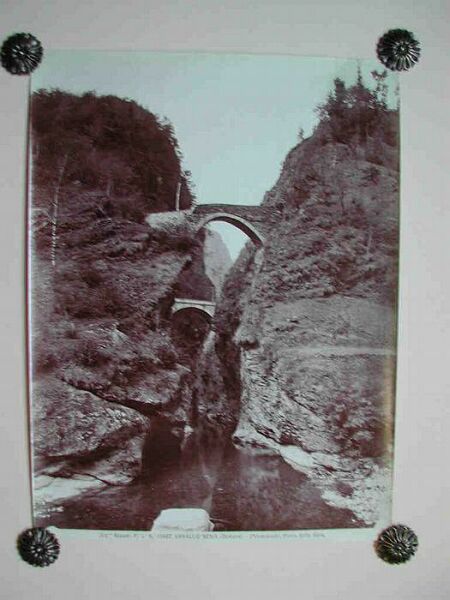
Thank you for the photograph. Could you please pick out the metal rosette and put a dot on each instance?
(21, 53)
(398, 50)
(38, 547)
(396, 544)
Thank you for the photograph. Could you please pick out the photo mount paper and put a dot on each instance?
(213, 268)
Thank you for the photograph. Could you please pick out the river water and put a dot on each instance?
(241, 492)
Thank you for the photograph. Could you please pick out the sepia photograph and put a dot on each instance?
(212, 291)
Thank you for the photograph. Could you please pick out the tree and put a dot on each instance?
(334, 111)
(358, 115)
(381, 88)
(55, 205)
(363, 104)
(121, 149)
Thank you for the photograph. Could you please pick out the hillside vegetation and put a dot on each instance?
(109, 145)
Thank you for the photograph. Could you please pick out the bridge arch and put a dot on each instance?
(242, 224)
(193, 310)
(190, 325)
(202, 307)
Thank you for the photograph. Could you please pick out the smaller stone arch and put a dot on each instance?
(242, 224)
(190, 325)
(204, 307)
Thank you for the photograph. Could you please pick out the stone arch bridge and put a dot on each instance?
(204, 306)
(254, 221)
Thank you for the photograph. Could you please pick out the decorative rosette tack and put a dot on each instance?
(38, 547)
(398, 50)
(396, 544)
(21, 53)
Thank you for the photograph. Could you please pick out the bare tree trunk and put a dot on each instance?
(55, 205)
(177, 198)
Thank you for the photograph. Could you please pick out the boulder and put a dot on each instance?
(81, 441)
(71, 424)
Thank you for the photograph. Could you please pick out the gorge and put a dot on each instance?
(275, 414)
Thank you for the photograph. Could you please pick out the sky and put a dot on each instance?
(235, 116)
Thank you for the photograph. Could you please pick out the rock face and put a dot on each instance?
(194, 281)
(77, 433)
(107, 372)
(217, 259)
(106, 368)
(313, 316)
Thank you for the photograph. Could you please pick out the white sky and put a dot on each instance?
(235, 116)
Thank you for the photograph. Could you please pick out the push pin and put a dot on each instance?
(38, 547)
(398, 50)
(21, 53)
(396, 544)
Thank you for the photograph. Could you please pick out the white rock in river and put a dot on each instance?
(183, 519)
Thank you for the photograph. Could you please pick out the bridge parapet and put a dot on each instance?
(168, 219)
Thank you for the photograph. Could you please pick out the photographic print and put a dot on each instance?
(212, 291)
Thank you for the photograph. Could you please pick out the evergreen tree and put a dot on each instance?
(359, 117)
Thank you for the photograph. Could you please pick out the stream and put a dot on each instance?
(241, 492)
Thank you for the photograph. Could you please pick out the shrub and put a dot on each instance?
(44, 361)
(130, 209)
(78, 300)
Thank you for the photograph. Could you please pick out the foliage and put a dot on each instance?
(107, 143)
(81, 292)
(358, 115)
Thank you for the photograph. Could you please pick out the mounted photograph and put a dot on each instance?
(212, 292)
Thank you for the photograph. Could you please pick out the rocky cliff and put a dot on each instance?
(313, 320)
(107, 372)
(110, 364)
